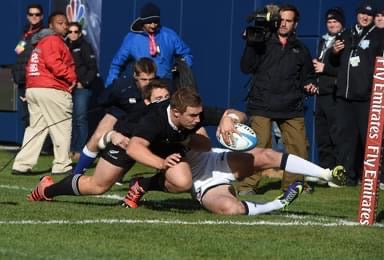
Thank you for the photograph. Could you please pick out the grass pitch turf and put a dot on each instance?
(172, 226)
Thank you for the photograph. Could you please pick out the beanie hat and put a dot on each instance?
(149, 13)
(366, 8)
(380, 9)
(335, 13)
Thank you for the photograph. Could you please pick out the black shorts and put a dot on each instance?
(117, 156)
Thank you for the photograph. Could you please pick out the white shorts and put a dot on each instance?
(209, 169)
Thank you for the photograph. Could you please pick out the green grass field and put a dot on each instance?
(321, 225)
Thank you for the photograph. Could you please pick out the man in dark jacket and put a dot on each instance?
(87, 73)
(355, 55)
(282, 72)
(325, 117)
(23, 51)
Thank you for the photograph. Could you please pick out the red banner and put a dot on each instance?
(372, 157)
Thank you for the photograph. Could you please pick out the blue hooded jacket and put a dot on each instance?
(136, 46)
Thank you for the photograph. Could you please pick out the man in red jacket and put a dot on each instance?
(50, 77)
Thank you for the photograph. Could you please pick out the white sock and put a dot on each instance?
(298, 165)
(89, 153)
(256, 209)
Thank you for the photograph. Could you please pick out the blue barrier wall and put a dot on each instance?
(211, 28)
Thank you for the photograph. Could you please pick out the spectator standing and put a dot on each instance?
(23, 50)
(325, 118)
(282, 72)
(86, 70)
(149, 39)
(355, 55)
(50, 78)
(379, 18)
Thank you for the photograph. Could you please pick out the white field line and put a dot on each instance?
(298, 220)
(181, 222)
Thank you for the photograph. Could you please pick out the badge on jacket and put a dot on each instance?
(364, 44)
(354, 61)
(20, 47)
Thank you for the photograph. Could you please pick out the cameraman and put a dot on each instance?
(282, 72)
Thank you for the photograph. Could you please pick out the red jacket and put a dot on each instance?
(51, 65)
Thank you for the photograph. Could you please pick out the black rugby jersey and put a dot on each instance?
(164, 139)
(124, 101)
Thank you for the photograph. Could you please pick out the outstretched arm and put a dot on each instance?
(137, 148)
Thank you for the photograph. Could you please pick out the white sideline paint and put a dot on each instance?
(298, 220)
(14, 187)
(182, 222)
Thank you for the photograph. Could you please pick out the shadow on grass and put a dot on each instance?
(171, 205)
(35, 172)
(380, 216)
(273, 185)
(11, 203)
(87, 203)
(179, 205)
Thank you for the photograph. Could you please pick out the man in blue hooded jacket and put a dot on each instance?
(148, 39)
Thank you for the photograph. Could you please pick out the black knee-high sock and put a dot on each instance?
(67, 186)
(156, 182)
(283, 162)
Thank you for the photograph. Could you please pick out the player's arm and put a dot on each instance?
(137, 148)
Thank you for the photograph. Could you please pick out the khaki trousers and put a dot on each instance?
(294, 139)
(46, 107)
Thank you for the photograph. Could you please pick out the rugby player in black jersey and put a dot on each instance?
(122, 100)
(171, 139)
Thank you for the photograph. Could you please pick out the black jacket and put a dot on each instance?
(85, 61)
(355, 82)
(279, 76)
(18, 69)
(327, 80)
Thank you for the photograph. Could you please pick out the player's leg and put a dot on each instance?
(175, 179)
(178, 178)
(90, 150)
(268, 158)
(112, 164)
(221, 200)
(103, 178)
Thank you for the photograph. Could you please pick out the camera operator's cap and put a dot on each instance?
(149, 13)
(335, 13)
(366, 8)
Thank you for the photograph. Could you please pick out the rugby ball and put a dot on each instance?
(244, 140)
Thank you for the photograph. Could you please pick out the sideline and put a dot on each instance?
(182, 222)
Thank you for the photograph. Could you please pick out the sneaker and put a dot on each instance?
(381, 186)
(293, 191)
(135, 192)
(17, 172)
(38, 193)
(339, 177)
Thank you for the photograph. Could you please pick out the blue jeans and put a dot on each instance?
(80, 98)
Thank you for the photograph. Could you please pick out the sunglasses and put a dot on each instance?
(34, 14)
(73, 32)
